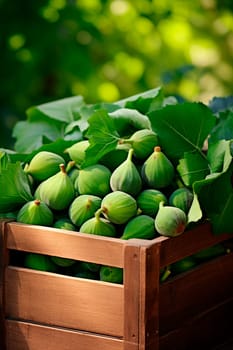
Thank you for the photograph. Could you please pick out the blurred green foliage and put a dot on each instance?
(110, 49)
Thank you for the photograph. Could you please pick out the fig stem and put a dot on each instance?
(98, 213)
(130, 154)
(63, 168)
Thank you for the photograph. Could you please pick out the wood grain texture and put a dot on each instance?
(64, 301)
(204, 331)
(190, 242)
(66, 244)
(193, 292)
(149, 297)
(131, 296)
(26, 336)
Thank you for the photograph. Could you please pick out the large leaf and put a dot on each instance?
(127, 121)
(216, 154)
(193, 167)
(220, 104)
(144, 102)
(64, 110)
(30, 135)
(102, 136)
(182, 127)
(224, 127)
(14, 187)
(215, 197)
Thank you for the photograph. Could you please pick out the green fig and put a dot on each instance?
(83, 208)
(143, 142)
(158, 171)
(57, 191)
(148, 201)
(126, 177)
(98, 226)
(62, 262)
(39, 262)
(64, 224)
(44, 165)
(94, 179)
(141, 226)
(111, 274)
(170, 221)
(118, 207)
(185, 264)
(181, 198)
(77, 152)
(35, 213)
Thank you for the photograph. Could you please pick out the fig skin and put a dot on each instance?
(94, 180)
(83, 208)
(98, 226)
(141, 226)
(57, 191)
(157, 170)
(35, 213)
(148, 201)
(119, 207)
(170, 221)
(44, 165)
(143, 142)
(77, 152)
(181, 198)
(126, 177)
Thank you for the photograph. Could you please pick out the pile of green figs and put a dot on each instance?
(132, 192)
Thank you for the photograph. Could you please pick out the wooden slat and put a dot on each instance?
(204, 331)
(190, 242)
(195, 291)
(64, 301)
(66, 244)
(149, 297)
(26, 336)
(4, 258)
(131, 296)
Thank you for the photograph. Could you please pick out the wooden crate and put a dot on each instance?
(44, 310)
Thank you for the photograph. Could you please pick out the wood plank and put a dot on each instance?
(190, 242)
(205, 331)
(64, 301)
(149, 297)
(66, 244)
(195, 291)
(25, 336)
(131, 295)
(4, 258)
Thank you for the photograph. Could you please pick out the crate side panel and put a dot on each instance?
(205, 331)
(190, 242)
(64, 301)
(66, 244)
(195, 291)
(25, 336)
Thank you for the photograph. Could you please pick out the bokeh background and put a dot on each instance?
(106, 50)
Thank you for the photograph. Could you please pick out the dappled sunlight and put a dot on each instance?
(64, 48)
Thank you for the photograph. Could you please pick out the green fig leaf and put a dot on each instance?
(14, 187)
(64, 110)
(220, 104)
(30, 136)
(193, 167)
(224, 127)
(215, 197)
(102, 136)
(144, 102)
(128, 120)
(216, 153)
(182, 127)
